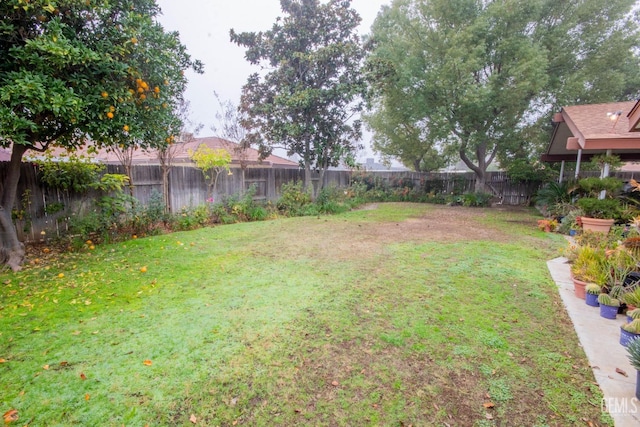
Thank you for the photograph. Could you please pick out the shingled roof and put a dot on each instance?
(248, 156)
(594, 128)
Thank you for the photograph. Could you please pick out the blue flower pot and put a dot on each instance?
(608, 311)
(592, 300)
(626, 337)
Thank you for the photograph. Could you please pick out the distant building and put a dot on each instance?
(371, 165)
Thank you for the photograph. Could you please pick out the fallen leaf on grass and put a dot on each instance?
(87, 396)
(10, 416)
(488, 416)
(193, 419)
(83, 376)
(489, 405)
(64, 363)
(621, 372)
(335, 383)
(147, 362)
(3, 360)
(45, 367)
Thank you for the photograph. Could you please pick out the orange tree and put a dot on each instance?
(79, 73)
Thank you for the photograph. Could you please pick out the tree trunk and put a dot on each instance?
(165, 189)
(11, 249)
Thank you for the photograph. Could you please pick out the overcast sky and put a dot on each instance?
(204, 29)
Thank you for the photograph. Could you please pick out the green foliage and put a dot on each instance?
(600, 208)
(632, 297)
(477, 199)
(633, 350)
(313, 87)
(632, 327)
(211, 162)
(293, 199)
(592, 186)
(593, 289)
(590, 265)
(606, 299)
(75, 173)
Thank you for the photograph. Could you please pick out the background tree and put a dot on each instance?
(484, 76)
(211, 162)
(307, 100)
(100, 73)
(229, 126)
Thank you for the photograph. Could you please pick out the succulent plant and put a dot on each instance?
(606, 299)
(634, 353)
(634, 314)
(593, 289)
(631, 297)
(632, 327)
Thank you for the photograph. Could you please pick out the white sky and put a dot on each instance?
(204, 29)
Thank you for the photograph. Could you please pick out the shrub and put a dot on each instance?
(293, 199)
(477, 199)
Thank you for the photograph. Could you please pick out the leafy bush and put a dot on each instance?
(293, 200)
(478, 199)
(600, 208)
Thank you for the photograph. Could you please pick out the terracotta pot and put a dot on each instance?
(597, 225)
(579, 288)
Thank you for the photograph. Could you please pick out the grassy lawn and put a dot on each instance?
(401, 314)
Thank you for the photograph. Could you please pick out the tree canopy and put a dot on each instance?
(480, 78)
(76, 73)
(307, 99)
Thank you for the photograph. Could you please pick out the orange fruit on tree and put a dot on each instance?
(156, 89)
(126, 128)
(110, 115)
(104, 94)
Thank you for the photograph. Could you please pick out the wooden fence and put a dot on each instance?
(44, 210)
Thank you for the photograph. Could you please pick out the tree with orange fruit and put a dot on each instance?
(101, 73)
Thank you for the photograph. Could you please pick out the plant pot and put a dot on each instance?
(626, 337)
(608, 311)
(592, 300)
(637, 384)
(579, 288)
(596, 224)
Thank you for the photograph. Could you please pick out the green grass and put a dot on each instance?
(344, 320)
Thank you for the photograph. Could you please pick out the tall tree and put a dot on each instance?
(482, 75)
(77, 73)
(307, 100)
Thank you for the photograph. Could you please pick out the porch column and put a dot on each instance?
(578, 161)
(604, 174)
(561, 173)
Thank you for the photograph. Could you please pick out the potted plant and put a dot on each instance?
(599, 203)
(633, 314)
(631, 297)
(629, 332)
(588, 266)
(633, 350)
(608, 306)
(592, 292)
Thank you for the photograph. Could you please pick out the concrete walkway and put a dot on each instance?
(599, 338)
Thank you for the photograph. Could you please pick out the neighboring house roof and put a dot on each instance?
(248, 156)
(593, 128)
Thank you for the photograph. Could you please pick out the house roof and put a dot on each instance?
(248, 156)
(594, 128)
(634, 118)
